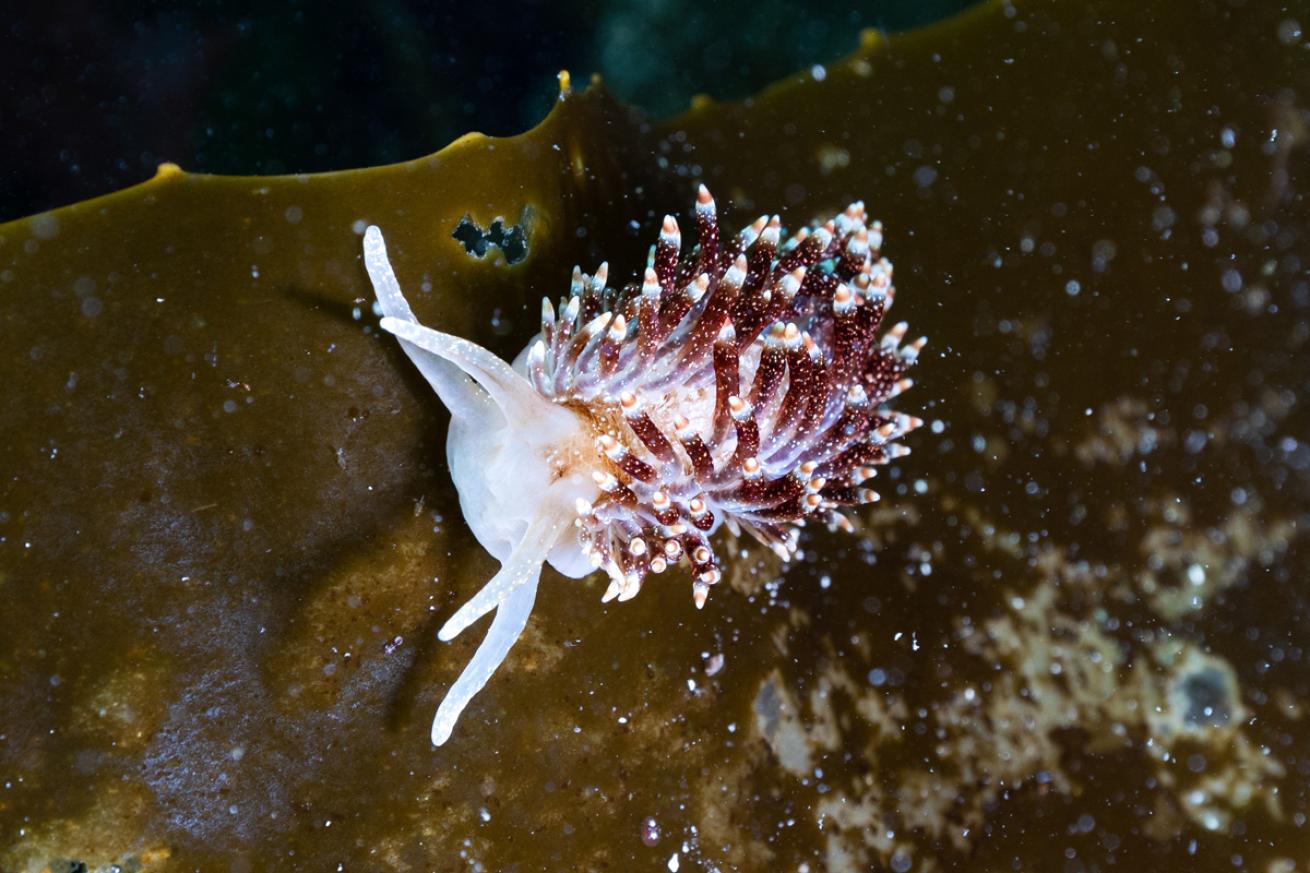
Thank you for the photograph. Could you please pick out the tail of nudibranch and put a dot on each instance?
(746, 383)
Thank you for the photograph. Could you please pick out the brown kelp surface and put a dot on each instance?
(1071, 636)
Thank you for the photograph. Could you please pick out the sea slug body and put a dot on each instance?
(742, 385)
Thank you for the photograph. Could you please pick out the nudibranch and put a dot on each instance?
(743, 385)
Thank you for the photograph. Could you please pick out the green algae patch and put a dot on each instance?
(1070, 634)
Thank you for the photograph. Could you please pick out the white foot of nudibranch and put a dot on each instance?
(502, 435)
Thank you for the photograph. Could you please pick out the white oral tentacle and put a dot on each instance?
(385, 286)
(523, 563)
(446, 378)
(433, 352)
(508, 624)
(510, 390)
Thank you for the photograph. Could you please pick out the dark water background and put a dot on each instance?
(93, 98)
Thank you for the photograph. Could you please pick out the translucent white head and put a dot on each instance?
(520, 463)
